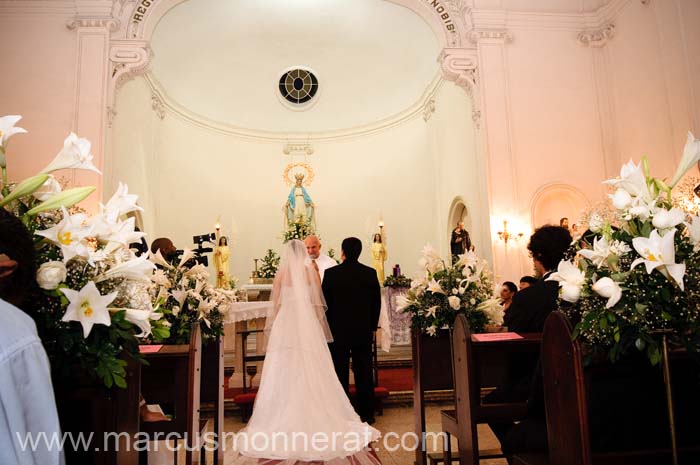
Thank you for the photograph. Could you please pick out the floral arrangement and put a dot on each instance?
(92, 306)
(397, 281)
(270, 264)
(298, 230)
(186, 296)
(442, 292)
(638, 275)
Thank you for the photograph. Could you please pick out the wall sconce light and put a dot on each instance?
(381, 226)
(506, 235)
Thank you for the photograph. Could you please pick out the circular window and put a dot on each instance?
(298, 86)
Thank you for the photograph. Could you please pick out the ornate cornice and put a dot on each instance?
(111, 24)
(127, 59)
(461, 66)
(597, 37)
(479, 35)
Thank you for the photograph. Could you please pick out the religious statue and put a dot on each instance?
(222, 254)
(378, 257)
(299, 207)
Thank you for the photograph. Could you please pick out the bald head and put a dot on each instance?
(313, 246)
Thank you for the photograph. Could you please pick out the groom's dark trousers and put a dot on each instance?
(353, 297)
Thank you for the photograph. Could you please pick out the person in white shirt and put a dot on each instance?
(318, 260)
(27, 405)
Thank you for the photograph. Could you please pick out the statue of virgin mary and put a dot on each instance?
(299, 206)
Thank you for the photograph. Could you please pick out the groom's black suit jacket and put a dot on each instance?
(353, 297)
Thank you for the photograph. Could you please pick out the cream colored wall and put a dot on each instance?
(188, 176)
(458, 173)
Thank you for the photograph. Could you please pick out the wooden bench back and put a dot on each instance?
(467, 394)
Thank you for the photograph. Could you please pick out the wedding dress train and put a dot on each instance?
(301, 412)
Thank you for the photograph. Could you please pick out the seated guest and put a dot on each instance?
(27, 405)
(527, 313)
(526, 281)
(508, 290)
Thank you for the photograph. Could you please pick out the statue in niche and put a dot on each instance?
(378, 256)
(299, 207)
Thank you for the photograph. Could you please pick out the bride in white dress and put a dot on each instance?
(301, 411)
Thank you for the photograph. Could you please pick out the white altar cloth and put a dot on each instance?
(243, 311)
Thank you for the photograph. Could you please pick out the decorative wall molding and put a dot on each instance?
(171, 106)
(127, 59)
(597, 37)
(461, 66)
(157, 105)
(111, 24)
(428, 109)
(292, 148)
(500, 35)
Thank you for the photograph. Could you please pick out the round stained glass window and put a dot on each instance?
(298, 86)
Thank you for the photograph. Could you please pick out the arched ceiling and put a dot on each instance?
(222, 60)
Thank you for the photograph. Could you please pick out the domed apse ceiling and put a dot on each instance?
(223, 60)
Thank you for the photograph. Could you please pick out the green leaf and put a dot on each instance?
(120, 381)
(666, 316)
(603, 323)
(25, 187)
(67, 198)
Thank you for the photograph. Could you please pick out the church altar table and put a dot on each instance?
(237, 312)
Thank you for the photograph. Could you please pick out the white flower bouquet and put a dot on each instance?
(629, 279)
(92, 305)
(442, 292)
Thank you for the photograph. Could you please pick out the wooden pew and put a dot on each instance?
(173, 380)
(566, 388)
(469, 410)
(432, 371)
(212, 389)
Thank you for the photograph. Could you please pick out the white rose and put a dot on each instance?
(454, 302)
(609, 289)
(596, 223)
(51, 274)
(621, 199)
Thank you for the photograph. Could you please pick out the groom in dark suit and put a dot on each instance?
(353, 297)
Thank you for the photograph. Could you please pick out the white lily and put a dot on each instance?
(431, 330)
(454, 302)
(691, 156)
(659, 253)
(142, 319)
(205, 306)
(136, 268)
(431, 260)
(430, 312)
(88, 307)
(667, 219)
(7, 130)
(468, 259)
(121, 203)
(120, 232)
(179, 295)
(570, 279)
(74, 155)
(69, 235)
(632, 180)
(187, 255)
(434, 287)
(609, 289)
(158, 259)
(600, 252)
(493, 309)
(50, 188)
